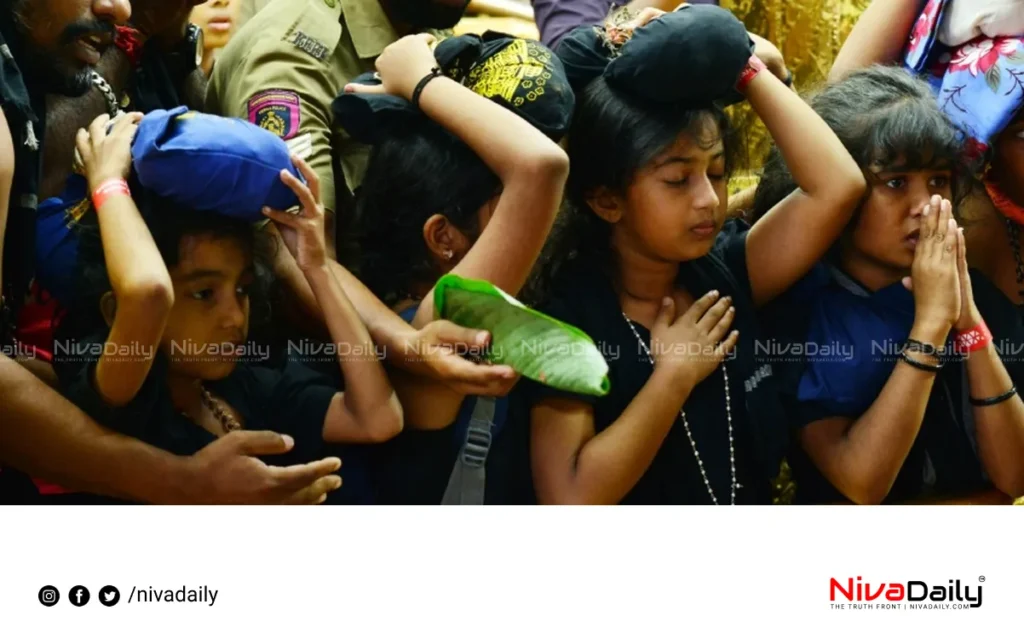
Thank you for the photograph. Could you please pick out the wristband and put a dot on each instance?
(753, 67)
(919, 365)
(130, 42)
(109, 188)
(972, 340)
(988, 402)
(435, 72)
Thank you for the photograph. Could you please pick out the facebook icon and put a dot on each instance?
(79, 596)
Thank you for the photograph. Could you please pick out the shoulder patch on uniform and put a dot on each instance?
(276, 111)
(310, 46)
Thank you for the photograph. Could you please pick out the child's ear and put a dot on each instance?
(607, 205)
(108, 307)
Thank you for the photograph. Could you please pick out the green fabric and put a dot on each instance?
(537, 346)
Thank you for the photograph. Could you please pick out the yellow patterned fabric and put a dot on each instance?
(517, 73)
(809, 33)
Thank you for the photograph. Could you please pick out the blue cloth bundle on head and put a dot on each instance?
(210, 163)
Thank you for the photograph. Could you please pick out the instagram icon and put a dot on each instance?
(49, 596)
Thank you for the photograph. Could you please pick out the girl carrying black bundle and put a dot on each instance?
(464, 178)
(647, 265)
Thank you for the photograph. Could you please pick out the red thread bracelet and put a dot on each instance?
(107, 189)
(753, 67)
(130, 42)
(972, 340)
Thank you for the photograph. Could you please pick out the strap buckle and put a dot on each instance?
(477, 445)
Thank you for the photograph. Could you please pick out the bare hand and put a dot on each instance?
(693, 345)
(433, 352)
(303, 232)
(969, 314)
(770, 55)
(229, 472)
(934, 277)
(401, 66)
(105, 156)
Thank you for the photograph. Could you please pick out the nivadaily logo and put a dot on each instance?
(913, 594)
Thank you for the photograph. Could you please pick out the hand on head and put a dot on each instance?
(401, 66)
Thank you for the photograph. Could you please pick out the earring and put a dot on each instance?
(448, 254)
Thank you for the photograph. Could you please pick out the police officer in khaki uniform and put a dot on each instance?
(287, 64)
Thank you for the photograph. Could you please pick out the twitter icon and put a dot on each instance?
(109, 596)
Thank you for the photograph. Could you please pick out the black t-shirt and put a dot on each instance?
(289, 399)
(855, 336)
(414, 468)
(584, 297)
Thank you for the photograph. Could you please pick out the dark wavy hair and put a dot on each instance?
(613, 136)
(169, 224)
(416, 172)
(886, 118)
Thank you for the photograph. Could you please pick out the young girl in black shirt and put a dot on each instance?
(650, 270)
(171, 361)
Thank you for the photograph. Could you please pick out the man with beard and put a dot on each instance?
(51, 47)
(286, 66)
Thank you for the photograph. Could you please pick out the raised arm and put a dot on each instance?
(141, 284)
(863, 457)
(531, 167)
(784, 244)
(879, 36)
(368, 410)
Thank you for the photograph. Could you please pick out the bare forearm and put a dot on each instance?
(506, 142)
(366, 383)
(878, 37)
(46, 436)
(134, 263)
(820, 164)
(1000, 427)
(614, 460)
(385, 327)
(871, 453)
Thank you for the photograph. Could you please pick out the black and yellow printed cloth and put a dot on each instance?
(521, 75)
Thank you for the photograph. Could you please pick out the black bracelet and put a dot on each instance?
(913, 345)
(435, 72)
(988, 402)
(919, 365)
(788, 81)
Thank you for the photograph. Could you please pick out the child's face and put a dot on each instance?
(890, 218)
(676, 204)
(209, 324)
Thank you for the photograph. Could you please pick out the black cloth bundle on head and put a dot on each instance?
(521, 75)
(691, 57)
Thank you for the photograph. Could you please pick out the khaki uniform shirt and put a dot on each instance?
(286, 66)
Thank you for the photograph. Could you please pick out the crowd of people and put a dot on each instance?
(223, 225)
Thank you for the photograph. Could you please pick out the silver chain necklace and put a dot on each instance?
(686, 425)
